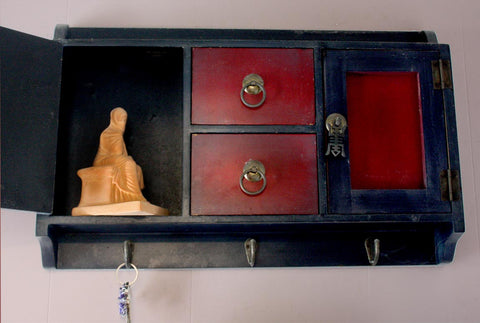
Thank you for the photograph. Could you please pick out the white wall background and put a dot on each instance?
(446, 293)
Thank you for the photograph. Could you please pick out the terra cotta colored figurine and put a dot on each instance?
(113, 185)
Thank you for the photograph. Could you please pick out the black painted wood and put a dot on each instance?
(30, 94)
(257, 35)
(217, 242)
(147, 71)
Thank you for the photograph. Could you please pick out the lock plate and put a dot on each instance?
(336, 125)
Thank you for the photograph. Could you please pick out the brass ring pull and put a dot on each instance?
(253, 171)
(253, 84)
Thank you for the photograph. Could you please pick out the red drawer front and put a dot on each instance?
(217, 75)
(291, 173)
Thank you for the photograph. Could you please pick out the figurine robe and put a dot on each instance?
(127, 177)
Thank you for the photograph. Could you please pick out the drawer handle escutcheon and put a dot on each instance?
(253, 171)
(253, 84)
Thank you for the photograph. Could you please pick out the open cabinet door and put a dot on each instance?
(30, 95)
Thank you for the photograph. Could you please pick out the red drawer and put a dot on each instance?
(218, 73)
(290, 171)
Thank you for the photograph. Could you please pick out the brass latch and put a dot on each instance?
(336, 125)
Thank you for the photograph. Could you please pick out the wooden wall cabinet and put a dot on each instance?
(395, 179)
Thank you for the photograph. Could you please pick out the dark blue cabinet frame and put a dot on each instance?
(37, 139)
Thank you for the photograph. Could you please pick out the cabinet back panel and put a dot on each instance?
(148, 83)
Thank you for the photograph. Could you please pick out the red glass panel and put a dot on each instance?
(385, 130)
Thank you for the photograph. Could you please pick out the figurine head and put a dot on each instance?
(118, 118)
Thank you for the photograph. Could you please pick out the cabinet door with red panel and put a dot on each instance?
(253, 86)
(394, 142)
(254, 174)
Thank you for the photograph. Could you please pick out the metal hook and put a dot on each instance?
(251, 251)
(127, 253)
(372, 255)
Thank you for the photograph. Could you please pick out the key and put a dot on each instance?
(124, 301)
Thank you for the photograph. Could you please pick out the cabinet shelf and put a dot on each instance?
(80, 242)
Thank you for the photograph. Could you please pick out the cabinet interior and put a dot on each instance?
(148, 83)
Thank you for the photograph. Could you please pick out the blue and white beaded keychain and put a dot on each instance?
(124, 298)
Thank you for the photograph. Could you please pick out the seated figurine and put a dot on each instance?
(113, 185)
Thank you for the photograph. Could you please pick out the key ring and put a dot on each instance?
(124, 265)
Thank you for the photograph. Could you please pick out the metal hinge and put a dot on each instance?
(442, 74)
(450, 185)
